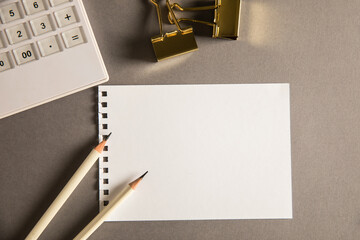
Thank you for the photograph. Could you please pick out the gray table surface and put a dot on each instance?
(313, 45)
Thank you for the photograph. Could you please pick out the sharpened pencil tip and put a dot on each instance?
(134, 184)
(107, 137)
(142, 176)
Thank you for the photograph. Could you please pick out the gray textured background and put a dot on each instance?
(314, 45)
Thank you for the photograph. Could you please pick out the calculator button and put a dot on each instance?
(65, 17)
(33, 6)
(58, 2)
(73, 37)
(48, 46)
(4, 62)
(41, 25)
(10, 13)
(17, 33)
(1, 41)
(24, 54)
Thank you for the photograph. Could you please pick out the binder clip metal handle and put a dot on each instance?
(173, 43)
(226, 17)
(158, 12)
(178, 7)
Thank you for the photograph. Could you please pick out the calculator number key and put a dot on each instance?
(73, 37)
(24, 54)
(17, 33)
(4, 62)
(65, 17)
(33, 6)
(58, 2)
(49, 46)
(41, 25)
(10, 13)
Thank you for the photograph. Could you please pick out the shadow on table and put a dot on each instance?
(53, 190)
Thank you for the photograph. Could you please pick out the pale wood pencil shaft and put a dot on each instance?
(100, 218)
(63, 195)
(114, 203)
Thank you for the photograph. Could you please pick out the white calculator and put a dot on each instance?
(47, 51)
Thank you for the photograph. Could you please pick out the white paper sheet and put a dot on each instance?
(212, 151)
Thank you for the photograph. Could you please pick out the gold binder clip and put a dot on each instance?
(173, 43)
(226, 20)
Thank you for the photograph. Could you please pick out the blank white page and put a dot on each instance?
(212, 151)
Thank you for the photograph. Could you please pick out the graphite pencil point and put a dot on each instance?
(144, 174)
(134, 184)
(107, 137)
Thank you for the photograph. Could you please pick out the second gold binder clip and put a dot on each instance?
(226, 17)
(174, 43)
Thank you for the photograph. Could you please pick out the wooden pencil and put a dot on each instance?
(67, 190)
(100, 218)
